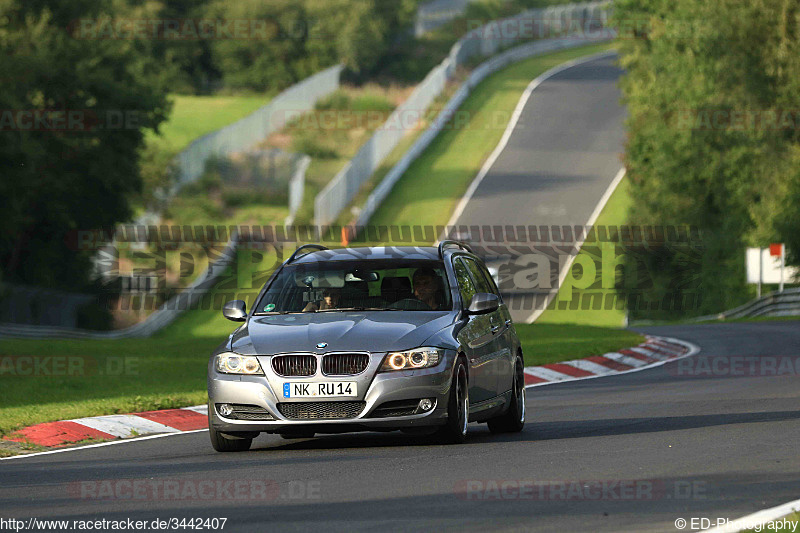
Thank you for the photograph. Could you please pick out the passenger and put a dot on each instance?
(331, 298)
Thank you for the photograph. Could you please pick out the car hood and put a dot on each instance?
(375, 331)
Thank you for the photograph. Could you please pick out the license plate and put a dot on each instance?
(329, 389)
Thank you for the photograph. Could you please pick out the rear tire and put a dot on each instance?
(513, 420)
(455, 429)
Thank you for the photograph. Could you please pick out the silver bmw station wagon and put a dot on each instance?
(369, 339)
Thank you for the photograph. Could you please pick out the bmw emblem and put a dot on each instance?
(321, 345)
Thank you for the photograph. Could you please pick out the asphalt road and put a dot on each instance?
(559, 161)
(677, 445)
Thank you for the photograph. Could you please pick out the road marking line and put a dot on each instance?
(562, 274)
(512, 124)
(759, 517)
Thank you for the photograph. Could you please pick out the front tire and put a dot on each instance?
(455, 429)
(222, 443)
(513, 420)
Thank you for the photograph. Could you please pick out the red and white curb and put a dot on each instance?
(55, 434)
(655, 351)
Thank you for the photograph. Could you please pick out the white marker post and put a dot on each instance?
(779, 250)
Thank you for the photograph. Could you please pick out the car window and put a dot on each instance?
(490, 279)
(465, 285)
(364, 285)
(481, 283)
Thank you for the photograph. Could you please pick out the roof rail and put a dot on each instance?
(446, 243)
(309, 247)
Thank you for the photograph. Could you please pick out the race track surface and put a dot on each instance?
(679, 441)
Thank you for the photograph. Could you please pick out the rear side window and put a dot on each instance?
(465, 286)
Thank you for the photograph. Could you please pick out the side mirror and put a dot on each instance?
(482, 303)
(235, 310)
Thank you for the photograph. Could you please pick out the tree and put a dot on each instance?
(60, 177)
(702, 80)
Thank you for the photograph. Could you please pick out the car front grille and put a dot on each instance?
(320, 410)
(344, 364)
(295, 365)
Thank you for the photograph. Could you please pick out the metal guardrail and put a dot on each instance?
(786, 303)
(481, 42)
(252, 129)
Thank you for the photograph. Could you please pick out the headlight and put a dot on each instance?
(231, 363)
(412, 359)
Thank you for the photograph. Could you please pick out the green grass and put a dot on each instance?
(137, 375)
(429, 191)
(552, 343)
(194, 116)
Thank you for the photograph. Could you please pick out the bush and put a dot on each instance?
(305, 144)
(337, 100)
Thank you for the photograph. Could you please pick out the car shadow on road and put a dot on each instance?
(534, 431)
(625, 426)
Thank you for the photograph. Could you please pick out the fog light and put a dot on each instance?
(225, 409)
(425, 404)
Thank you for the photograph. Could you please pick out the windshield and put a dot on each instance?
(413, 285)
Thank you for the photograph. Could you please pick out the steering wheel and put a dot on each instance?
(411, 304)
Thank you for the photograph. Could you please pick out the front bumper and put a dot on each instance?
(374, 389)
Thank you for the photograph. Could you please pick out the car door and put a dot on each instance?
(477, 339)
(499, 354)
(505, 337)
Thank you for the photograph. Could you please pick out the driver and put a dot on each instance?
(331, 298)
(426, 287)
